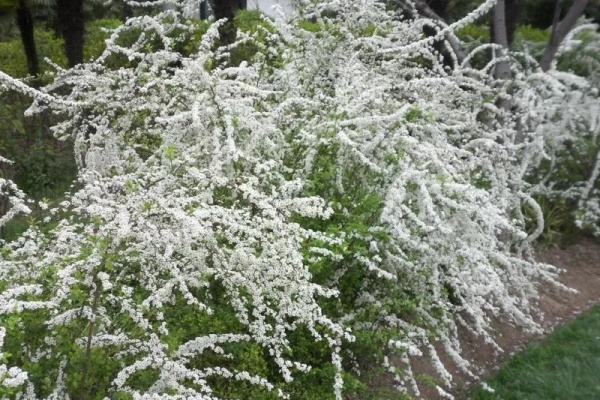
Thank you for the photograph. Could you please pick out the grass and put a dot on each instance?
(564, 366)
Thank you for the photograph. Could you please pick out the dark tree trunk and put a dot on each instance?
(440, 7)
(560, 29)
(226, 9)
(502, 68)
(126, 12)
(70, 15)
(203, 9)
(25, 23)
(512, 11)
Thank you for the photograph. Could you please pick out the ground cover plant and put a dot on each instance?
(564, 366)
(275, 217)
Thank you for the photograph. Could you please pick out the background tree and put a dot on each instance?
(512, 10)
(225, 9)
(499, 35)
(25, 23)
(24, 20)
(506, 17)
(560, 28)
(71, 27)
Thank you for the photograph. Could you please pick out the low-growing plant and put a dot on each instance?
(563, 366)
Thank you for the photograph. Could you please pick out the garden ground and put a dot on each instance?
(581, 264)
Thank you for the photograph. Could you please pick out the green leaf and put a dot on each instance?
(18, 125)
(7, 6)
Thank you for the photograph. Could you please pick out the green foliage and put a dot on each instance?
(563, 367)
(355, 212)
(473, 36)
(44, 167)
(559, 227)
(457, 9)
(250, 20)
(189, 43)
(310, 26)
(96, 32)
(252, 23)
(471, 32)
(12, 56)
(538, 13)
(13, 60)
(368, 30)
(576, 161)
(7, 6)
(532, 34)
(185, 41)
(584, 59)
(531, 40)
(414, 114)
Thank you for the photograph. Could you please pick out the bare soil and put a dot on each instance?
(581, 264)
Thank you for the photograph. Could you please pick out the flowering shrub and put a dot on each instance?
(561, 111)
(270, 229)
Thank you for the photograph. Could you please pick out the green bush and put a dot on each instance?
(532, 34)
(584, 58)
(472, 32)
(12, 56)
(43, 166)
(252, 23)
(531, 40)
(95, 35)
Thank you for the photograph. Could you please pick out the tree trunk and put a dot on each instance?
(126, 12)
(500, 37)
(25, 23)
(560, 29)
(70, 14)
(203, 9)
(511, 11)
(225, 9)
(440, 7)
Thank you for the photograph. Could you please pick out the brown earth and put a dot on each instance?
(581, 264)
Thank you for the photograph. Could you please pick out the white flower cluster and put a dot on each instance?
(560, 112)
(342, 181)
(10, 377)
(16, 199)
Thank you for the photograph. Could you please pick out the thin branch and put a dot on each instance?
(423, 8)
(88, 347)
(454, 42)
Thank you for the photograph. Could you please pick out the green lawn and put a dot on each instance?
(564, 366)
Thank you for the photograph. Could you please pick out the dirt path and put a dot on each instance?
(581, 263)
